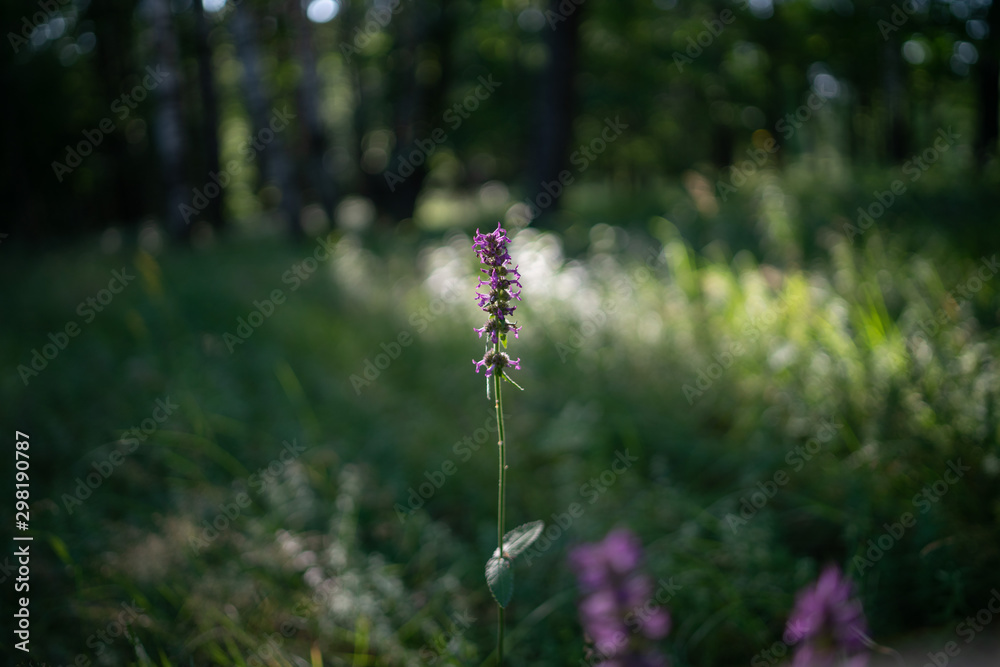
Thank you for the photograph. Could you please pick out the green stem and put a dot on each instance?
(500, 494)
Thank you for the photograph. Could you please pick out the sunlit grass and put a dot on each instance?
(708, 363)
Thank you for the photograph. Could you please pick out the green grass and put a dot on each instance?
(617, 329)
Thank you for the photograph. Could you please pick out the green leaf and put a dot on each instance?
(516, 541)
(507, 378)
(500, 579)
(503, 339)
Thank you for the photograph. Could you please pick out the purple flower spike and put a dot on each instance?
(829, 621)
(619, 610)
(497, 303)
(494, 362)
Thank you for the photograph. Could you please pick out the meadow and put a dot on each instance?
(263, 452)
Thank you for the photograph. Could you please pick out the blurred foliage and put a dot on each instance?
(697, 84)
(713, 303)
(621, 320)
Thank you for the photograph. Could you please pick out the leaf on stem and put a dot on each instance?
(500, 578)
(516, 541)
(507, 378)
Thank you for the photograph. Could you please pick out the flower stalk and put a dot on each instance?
(498, 304)
(501, 499)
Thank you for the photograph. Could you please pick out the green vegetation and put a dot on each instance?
(760, 312)
(666, 387)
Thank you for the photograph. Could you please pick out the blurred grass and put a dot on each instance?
(620, 322)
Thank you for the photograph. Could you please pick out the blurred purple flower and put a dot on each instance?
(497, 303)
(614, 610)
(829, 621)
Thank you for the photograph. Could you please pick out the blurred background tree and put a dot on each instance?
(368, 83)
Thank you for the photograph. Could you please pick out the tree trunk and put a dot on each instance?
(169, 120)
(129, 199)
(419, 106)
(276, 166)
(989, 107)
(898, 146)
(555, 111)
(210, 110)
(313, 132)
(988, 83)
(361, 182)
(722, 145)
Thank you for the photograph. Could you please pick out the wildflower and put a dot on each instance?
(498, 301)
(615, 600)
(498, 304)
(495, 362)
(829, 621)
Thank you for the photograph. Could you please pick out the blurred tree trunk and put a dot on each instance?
(361, 182)
(723, 137)
(115, 30)
(556, 97)
(313, 132)
(276, 166)
(895, 105)
(399, 199)
(988, 83)
(988, 79)
(209, 110)
(419, 103)
(25, 212)
(722, 144)
(168, 120)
